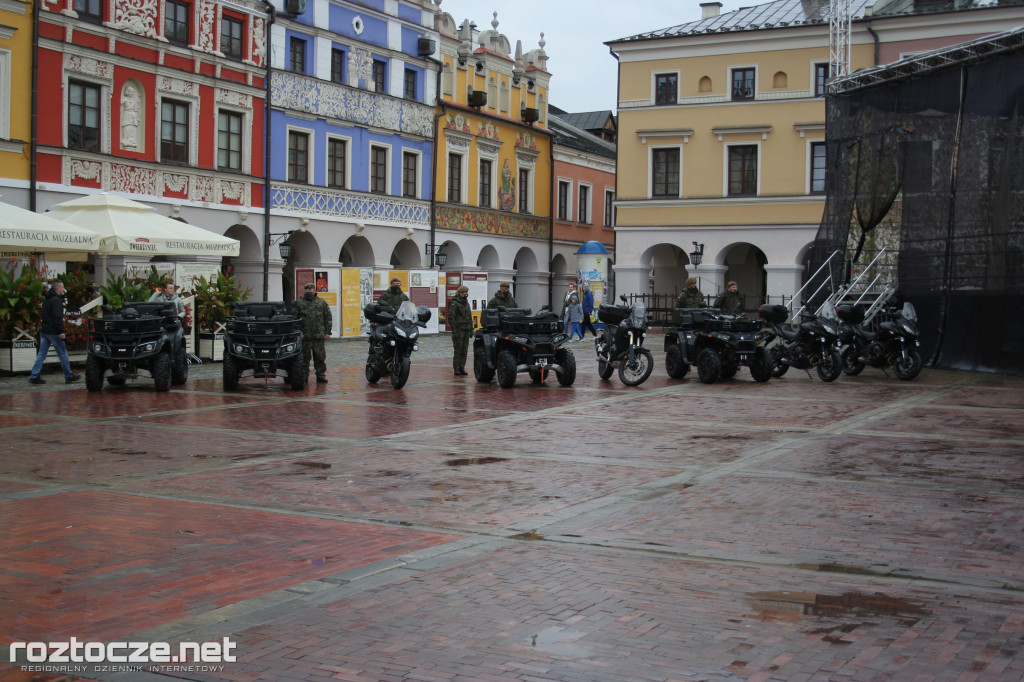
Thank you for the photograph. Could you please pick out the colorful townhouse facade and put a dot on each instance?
(352, 132)
(721, 139)
(160, 101)
(494, 159)
(15, 99)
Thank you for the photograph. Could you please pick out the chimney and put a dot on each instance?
(710, 9)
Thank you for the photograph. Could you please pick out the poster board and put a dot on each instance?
(356, 293)
(476, 282)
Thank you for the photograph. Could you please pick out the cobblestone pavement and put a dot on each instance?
(869, 529)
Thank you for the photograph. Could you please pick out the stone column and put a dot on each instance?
(632, 279)
(496, 276)
(710, 278)
(532, 290)
(783, 280)
(250, 273)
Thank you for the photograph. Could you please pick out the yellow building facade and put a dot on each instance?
(721, 146)
(493, 159)
(15, 99)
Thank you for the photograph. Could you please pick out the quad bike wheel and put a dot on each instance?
(674, 365)
(162, 372)
(297, 373)
(506, 369)
(481, 371)
(230, 372)
(761, 366)
(93, 373)
(709, 366)
(636, 373)
(565, 358)
(179, 367)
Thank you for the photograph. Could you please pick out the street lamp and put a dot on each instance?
(283, 245)
(697, 255)
(439, 257)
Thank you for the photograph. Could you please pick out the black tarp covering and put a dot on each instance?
(949, 144)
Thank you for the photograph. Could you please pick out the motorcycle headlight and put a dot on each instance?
(907, 329)
(521, 340)
(414, 334)
(829, 329)
(400, 332)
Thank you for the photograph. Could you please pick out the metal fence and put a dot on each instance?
(660, 306)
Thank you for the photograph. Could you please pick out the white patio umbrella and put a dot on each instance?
(23, 233)
(127, 227)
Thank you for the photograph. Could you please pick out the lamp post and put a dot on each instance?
(438, 257)
(697, 255)
(284, 246)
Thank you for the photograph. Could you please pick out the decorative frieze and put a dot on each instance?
(351, 205)
(87, 66)
(136, 16)
(175, 183)
(85, 170)
(132, 179)
(462, 219)
(233, 97)
(207, 24)
(330, 100)
(178, 86)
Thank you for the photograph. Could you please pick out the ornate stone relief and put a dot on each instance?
(202, 188)
(233, 97)
(86, 170)
(136, 16)
(132, 179)
(207, 22)
(232, 190)
(259, 41)
(457, 142)
(89, 67)
(487, 150)
(178, 86)
(357, 206)
(175, 183)
(360, 64)
(131, 124)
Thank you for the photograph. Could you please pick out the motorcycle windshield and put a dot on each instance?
(638, 315)
(407, 313)
(828, 311)
(909, 312)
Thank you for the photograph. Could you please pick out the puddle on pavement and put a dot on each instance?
(529, 535)
(466, 461)
(796, 605)
(556, 640)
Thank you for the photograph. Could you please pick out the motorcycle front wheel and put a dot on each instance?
(605, 369)
(372, 375)
(852, 366)
(636, 373)
(778, 366)
(399, 371)
(830, 366)
(907, 368)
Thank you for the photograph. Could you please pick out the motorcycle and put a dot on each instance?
(621, 345)
(393, 340)
(895, 344)
(815, 343)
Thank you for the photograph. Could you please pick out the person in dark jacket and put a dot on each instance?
(316, 322)
(503, 297)
(52, 334)
(393, 296)
(730, 300)
(461, 319)
(691, 296)
(588, 309)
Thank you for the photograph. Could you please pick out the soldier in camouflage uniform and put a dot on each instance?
(503, 298)
(393, 296)
(460, 317)
(691, 296)
(316, 326)
(730, 300)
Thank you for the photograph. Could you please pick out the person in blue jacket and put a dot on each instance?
(588, 309)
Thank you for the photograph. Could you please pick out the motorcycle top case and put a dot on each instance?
(853, 314)
(774, 313)
(613, 314)
(376, 314)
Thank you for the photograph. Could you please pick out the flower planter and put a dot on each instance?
(18, 354)
(211, 344)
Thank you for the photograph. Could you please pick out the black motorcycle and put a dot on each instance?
(895, 344)
(622, 343)
(815, 343)
(393, 340)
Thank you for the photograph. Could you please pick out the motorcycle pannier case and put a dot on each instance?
(774, 313)
(374, 314)
(853, 314)
(612, 314)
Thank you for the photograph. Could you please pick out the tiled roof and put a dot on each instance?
(787, 13)
(571, 136)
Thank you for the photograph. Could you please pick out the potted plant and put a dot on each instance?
(79, 293)
(21, 297)
(215, 299)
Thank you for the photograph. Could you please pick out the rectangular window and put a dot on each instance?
(231, 36)
(666, 88)
(298, 157)
(337, 66)
(817, 167)
(410, 84)
(563, 200)
(820, 79)
(454, 178)
(173, 132)
(609, 208)
(743, 170)
(485, 183)
(410, 173)
(583, 215)
(665, 173)
(89, 10)
(378, 170)
(83, 116)
(524, 190)
(742, 84)
(177, 22)
(229, 141)
(379, 71)
(297, 53)
(337, 151)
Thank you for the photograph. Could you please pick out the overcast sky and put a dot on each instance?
(583, 71)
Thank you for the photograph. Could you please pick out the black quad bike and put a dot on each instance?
(718, 343)
(143, 339)
(262, 339)
(393, 338)
(513, 340)
(622, 344)
(895, 343)
(815, 343)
